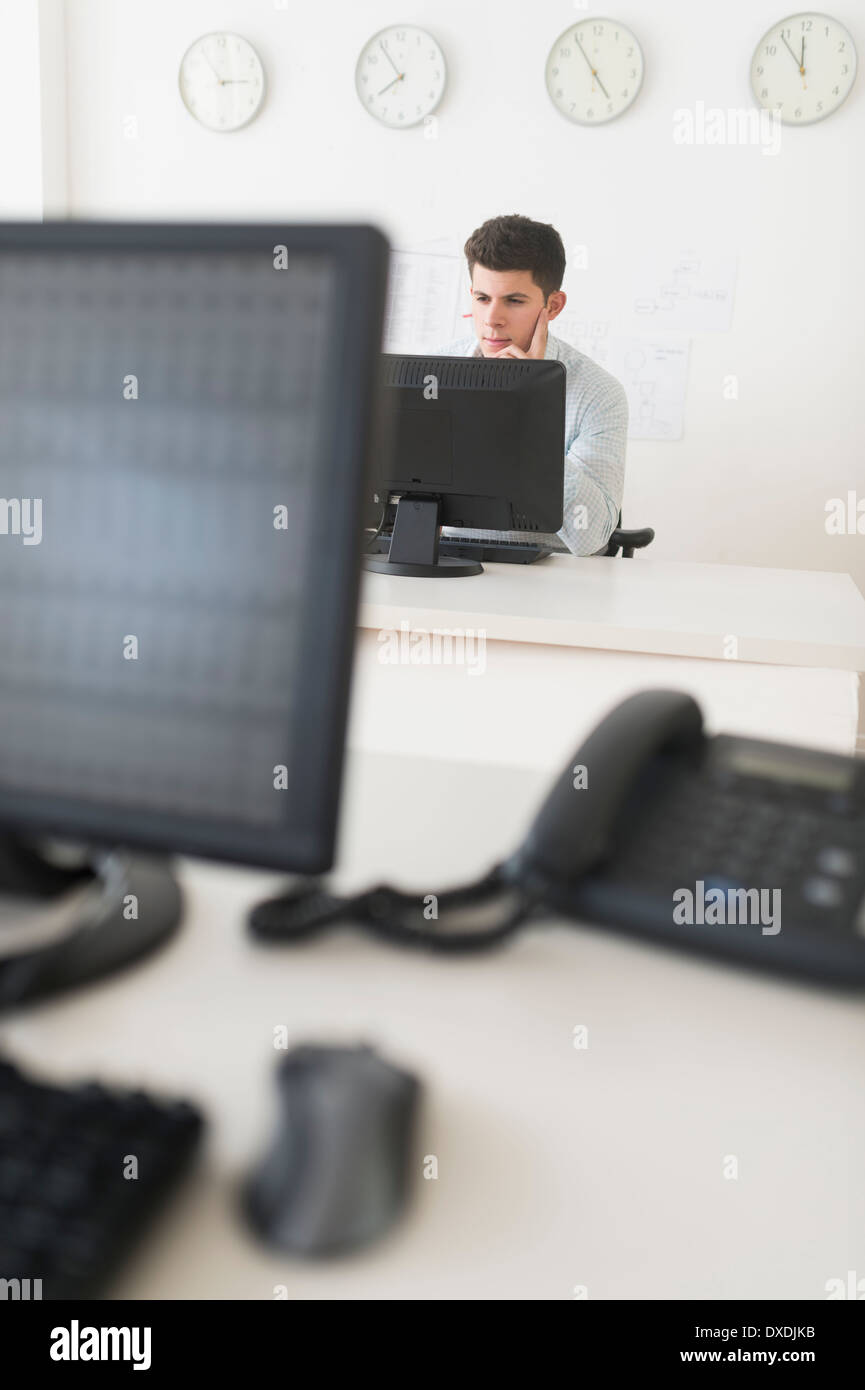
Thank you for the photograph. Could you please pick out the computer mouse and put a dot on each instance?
(337, 1172)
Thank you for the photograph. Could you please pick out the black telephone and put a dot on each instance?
(741, 847)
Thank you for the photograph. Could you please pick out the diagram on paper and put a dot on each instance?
(653, 371)
(696, 296)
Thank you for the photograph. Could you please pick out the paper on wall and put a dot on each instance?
(426, 298)
(652, 369)
(692, 294)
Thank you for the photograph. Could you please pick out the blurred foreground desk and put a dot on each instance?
(558, 1167)
(768, 653)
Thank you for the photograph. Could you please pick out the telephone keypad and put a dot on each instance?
(749, 833)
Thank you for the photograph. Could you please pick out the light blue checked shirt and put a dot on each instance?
(596, 432)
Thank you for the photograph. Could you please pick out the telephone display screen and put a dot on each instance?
(756, 762)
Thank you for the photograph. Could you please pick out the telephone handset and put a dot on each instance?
(571, 832)
(741, 847)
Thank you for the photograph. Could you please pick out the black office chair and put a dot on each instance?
(628, 541)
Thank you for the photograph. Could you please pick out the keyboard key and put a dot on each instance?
(822, 892)
(836, 860)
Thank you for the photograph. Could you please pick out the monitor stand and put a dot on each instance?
(62, 926)
(414, 546)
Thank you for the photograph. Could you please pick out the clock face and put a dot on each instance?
(804, 67)
(594, 71)
(400, 75)
(222, 81)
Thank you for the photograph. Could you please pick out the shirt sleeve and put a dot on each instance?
(595, 472)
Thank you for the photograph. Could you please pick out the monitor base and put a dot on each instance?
(413, 546)
(446, 567)
(62, 927)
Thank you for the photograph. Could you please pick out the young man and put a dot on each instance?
(516, 267)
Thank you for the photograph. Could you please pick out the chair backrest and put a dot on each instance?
(628, 541)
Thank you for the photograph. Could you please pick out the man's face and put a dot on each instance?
(505, 308)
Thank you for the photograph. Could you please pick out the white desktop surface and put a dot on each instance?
(558, 1167)
(564, 640)
(789, 617)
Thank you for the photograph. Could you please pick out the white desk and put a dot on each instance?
(566, 639)
(558, 1167)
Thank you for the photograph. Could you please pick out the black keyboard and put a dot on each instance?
(500, 552)
(69, 1207)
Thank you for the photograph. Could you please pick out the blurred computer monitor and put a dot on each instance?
(187, 415)
(478, 443)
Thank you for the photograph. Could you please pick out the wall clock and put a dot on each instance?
(594, 71)
(400, 75)
(804, 67)
(221, 81)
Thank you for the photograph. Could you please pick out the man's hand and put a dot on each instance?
(538, 345)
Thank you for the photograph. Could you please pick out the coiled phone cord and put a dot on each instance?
(470, 918)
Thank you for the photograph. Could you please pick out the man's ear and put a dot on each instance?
(556, 303)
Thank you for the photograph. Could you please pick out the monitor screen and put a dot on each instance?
(178, 531)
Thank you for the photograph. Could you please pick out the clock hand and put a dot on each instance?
(802, 65)
(594, 71)
(389, 58)
(585, 55)
(398, 78)
(212, 68)
(790, 51)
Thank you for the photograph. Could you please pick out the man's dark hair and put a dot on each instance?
(518, 243)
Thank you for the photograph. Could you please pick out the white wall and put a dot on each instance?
(32, 110)
(749, 480)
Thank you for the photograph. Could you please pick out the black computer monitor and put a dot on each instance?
(477, 442)
(187, 414)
